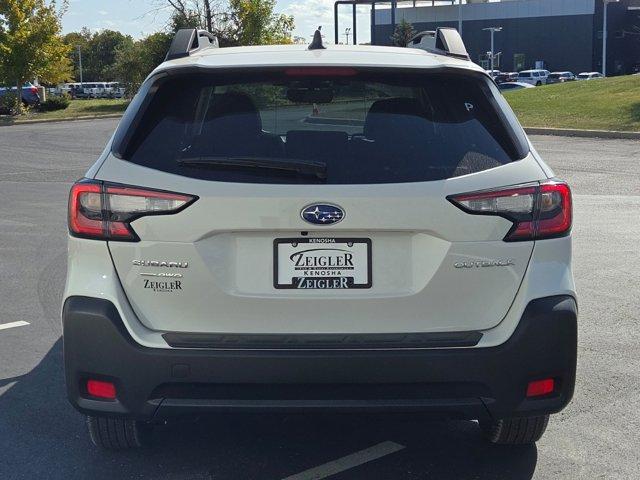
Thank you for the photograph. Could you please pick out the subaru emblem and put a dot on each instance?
(322, 214)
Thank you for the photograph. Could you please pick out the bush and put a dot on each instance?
(8, 103)
(55, 103)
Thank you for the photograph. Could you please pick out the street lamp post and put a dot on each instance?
(604, 37)
(460, 17)
(80, 63)
(347, 32)
(492, 30)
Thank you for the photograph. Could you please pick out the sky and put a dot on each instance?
(142, 17)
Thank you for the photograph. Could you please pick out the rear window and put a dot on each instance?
(323, 126)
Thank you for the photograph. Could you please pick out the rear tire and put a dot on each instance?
(117, 433)
(538, 83)
(515, 431)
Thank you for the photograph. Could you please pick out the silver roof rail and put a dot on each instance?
(188, 40)
(442, 41)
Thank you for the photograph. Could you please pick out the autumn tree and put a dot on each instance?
(30, 43)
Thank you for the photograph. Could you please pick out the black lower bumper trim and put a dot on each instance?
(454, 381)
(323, 341)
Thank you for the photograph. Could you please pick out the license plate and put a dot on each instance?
(322, 263)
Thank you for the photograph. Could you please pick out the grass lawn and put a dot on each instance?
(77, 108)
(606, 104)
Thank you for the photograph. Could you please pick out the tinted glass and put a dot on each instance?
(361, 128)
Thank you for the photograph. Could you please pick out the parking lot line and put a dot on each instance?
(20, 323)
(348, 462)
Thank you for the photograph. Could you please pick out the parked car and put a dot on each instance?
(560, 77)
(506, 77)
(222, 258)
(589, 76)
(66, 88)
(533, 77)
(113, 90)
(493, 73)
(514, 86)
(90, 90)
(30, 95)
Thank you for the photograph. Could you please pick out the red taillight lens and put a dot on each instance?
(100, 389)
(104, 212)
(537, 210)
(34, 90)
(539, 388)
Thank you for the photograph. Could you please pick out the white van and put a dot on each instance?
(533, 77)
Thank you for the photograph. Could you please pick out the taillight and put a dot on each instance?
(34, 90)
(104, 211)
(538, 211)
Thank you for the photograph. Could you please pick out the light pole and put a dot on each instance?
(80, 63)
(492, 30)
(460, 17)
(604, 37)
(347, 32)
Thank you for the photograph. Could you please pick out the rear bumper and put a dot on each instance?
(459, 382)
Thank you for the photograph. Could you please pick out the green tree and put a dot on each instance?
(234, 22)
(135, 60)
(77, 41)
(98, 53)
(30, 43)
(403, 33)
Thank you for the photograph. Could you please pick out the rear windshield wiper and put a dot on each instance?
(303, 167)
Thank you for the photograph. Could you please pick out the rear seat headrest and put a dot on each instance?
(388, 115)
(234, 110)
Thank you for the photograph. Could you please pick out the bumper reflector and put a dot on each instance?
(538, 388)
(97, 388)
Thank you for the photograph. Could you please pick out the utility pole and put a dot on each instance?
(492, 30)
(604, 37)
(347, 32)
(80, 63)
(459, 16)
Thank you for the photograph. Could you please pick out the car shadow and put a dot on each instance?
(42, 436)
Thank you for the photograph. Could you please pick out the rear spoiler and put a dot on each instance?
(442, 41)
(189, 40)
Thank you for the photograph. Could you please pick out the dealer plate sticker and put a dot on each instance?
(322, 263)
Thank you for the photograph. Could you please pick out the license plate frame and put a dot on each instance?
(310, 281)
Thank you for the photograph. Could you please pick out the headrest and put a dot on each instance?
(391, 115)
(233, 113)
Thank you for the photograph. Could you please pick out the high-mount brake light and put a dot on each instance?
(103, 212)
(320, 72)
(538, 211)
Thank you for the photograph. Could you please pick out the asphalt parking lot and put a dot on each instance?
(41, 436)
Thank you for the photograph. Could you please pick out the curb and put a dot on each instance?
(565, 132)
(57, 120)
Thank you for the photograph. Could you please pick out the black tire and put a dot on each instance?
(538, 83)
(117, 433)
(515, 431)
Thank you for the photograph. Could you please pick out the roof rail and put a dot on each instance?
(443, 41)
(188, 40)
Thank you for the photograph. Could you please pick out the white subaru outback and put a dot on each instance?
(353, 229)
